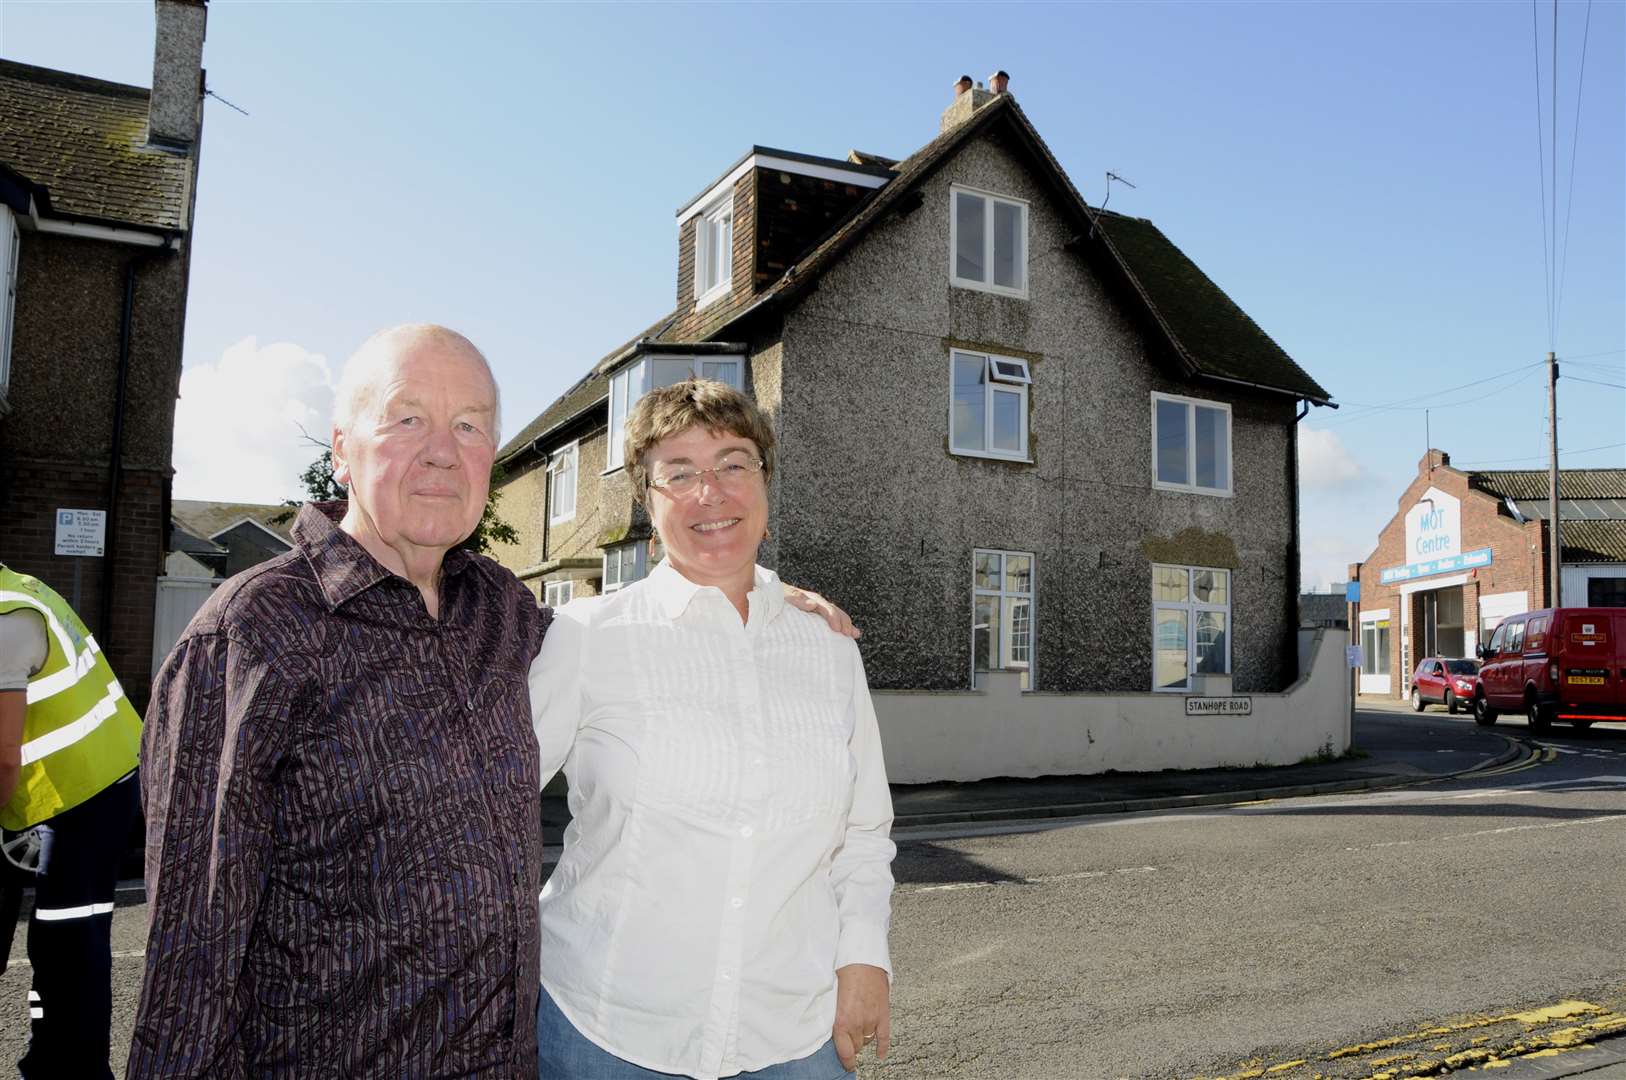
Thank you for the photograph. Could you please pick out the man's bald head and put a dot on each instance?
(372, 365)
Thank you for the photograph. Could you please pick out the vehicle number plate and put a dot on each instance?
(1586, 680)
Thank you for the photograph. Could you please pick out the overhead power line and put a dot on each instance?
(1575, 145)
(1537, 457)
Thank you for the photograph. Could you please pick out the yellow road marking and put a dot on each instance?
(1602, 1022)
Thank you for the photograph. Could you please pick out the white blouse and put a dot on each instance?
(729, 845)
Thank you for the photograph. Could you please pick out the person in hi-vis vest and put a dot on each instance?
(68, 798)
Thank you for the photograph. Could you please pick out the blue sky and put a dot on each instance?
(1362, 178)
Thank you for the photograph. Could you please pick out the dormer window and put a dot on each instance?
(988, 242)
(653, 372)
(714, 251)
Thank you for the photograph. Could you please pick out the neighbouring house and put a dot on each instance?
(226, 538)
(1045, 462)
(97, 190)
(1467, 548)
(1330, 608)
(208, 543)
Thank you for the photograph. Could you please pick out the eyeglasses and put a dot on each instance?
(731, 474)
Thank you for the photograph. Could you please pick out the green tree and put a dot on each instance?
(320, 486)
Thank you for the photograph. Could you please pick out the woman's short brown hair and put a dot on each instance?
(672, 410)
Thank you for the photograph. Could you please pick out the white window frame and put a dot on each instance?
(989, 199)
(1192, 404)
(617, 557)
(705, 259)
(558, 593)
(1006, 644)
(10, 242)
(632, 382)
(1003, 383)
(1192, 606)
(565, 461)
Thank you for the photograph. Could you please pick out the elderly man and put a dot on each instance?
(340, 773)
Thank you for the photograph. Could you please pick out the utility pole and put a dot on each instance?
(1553, 541)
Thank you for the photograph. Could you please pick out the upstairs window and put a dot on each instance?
(624, 564)
(562, 485)
(714, 251)
(1191, 445)
(9, 240)
(558, 593)
(653, 372)
(988, 242)
(988, 405)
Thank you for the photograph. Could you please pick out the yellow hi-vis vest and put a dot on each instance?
(80, 733)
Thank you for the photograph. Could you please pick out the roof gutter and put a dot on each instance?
(1297, 394)
(84, 230)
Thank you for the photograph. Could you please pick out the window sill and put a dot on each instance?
(552, 521)
(997, 290)
(1191, 489)
(986, 456)
(710, 297)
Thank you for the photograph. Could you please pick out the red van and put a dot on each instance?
(1556, 664)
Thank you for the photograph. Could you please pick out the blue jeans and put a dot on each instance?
(566, 1054)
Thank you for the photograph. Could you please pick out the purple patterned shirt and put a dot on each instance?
(343, 829)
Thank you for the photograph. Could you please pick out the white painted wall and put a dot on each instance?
(1000, 731)
(1572, 580)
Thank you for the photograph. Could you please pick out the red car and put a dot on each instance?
(1441, 680)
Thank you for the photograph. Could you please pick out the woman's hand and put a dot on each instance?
(863, 1012)
(839, 620)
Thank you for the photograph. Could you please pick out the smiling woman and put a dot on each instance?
(728, 796)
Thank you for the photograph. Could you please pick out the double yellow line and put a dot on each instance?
(1543, 756)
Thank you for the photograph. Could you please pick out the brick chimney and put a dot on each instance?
(176, 107)
(998, 81)
(968, 98)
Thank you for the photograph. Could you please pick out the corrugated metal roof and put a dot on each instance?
(1594, 541)
(1522, 484)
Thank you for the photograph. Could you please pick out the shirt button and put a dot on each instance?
(736, 903)
(727, 975)
(746, 830)
(756, 761)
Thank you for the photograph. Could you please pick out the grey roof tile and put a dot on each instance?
(84, 141)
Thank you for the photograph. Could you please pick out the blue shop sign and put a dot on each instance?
(1468, 560)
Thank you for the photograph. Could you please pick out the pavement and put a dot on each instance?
(1384, 755)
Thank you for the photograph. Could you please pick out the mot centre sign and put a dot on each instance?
(1434, 540)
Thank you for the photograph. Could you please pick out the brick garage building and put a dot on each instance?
(97, 183)
(1466, 549)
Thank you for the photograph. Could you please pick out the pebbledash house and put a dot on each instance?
(1043, 460)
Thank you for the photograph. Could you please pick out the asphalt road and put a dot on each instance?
(1215, 943)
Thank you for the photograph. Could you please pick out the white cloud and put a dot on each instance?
(1325, 462)
(237, 426)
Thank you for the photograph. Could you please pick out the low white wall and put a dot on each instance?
(1000, 731)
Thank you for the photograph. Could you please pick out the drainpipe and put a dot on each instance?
(1293, 545)
(115, 460)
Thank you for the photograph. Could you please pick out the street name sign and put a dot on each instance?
(80, 532)
(1219, 706)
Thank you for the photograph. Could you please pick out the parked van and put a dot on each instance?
(1556, 664)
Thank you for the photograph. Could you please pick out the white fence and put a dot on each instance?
(1000, 731)
(178, 600)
